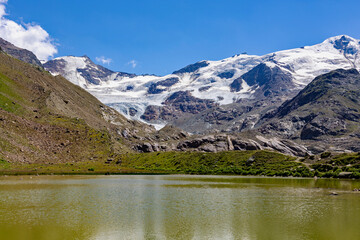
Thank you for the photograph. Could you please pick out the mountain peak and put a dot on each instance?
(341, 38)
(82, 70)
(86, 57)
(344, 43)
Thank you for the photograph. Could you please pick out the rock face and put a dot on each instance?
(192, 67)
(185, 102)
(216, 143)
(159, 87)
(19, 53)
(176, 105)
(227, 74)
(155, 113)
(265, 81)
(220, 142)
(327, 110)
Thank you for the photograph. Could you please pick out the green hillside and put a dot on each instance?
(48, 119)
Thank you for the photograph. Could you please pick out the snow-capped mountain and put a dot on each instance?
(82, 71)
(220, 82)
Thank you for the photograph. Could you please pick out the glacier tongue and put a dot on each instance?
(130, 95)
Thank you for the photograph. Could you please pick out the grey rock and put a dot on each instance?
(176, 105)
(153, 88)
(192, 67)
(145, 148)
(19, 53)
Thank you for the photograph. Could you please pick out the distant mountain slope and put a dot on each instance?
(48, 119)
(326, 111)
(19, 53)
(82, 71)
(273, 77)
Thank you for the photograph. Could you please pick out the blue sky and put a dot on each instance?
(160, 36)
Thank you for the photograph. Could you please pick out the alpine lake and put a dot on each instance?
(178, 207)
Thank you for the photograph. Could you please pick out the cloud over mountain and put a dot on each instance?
(133, 63)
(103, 60)
(27, 35)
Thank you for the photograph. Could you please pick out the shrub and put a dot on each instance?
(325, 155)
(322, 167)
(355, 175)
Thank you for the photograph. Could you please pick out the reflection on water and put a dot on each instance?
(177, 207)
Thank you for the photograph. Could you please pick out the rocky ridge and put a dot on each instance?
(327, 111)
(19, 53)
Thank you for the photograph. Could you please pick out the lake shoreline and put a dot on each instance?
(231, 163)
(135, 172)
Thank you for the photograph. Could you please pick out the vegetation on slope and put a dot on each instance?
(260, 163)
(345, 165)
(234, 163)
(46, 119)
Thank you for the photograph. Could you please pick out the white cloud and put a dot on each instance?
(133, 63)
(103, 60)
(29, 36)
(2, 8)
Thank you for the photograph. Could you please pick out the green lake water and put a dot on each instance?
(177, 207)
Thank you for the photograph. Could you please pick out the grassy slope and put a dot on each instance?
(46, 119)
(235, 162)
(330, 165)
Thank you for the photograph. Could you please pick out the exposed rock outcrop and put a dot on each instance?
(176, 105)
(192, 67)
(265, 81)
(19, 53)
(161, 86)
